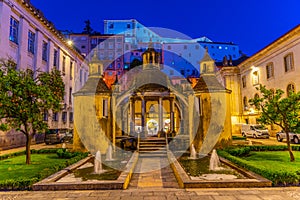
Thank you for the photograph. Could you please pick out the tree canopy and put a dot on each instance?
(25, 96)
(88, 28)
(276, 109)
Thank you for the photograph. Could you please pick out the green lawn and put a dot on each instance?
(15, 168)
(273, 165)
(274, 160)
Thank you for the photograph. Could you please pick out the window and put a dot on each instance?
(70, 95)
(64, 117)
(44, 51)
(169, 47)
(197, 46)
(204, 68)
(182, 72)
(45, 115)
(111, 26)
(244, 83)
(185, 46)
(80, 75)
(13, 30)
(245, 103)
(270, 70)
(71, 118)
(71, 70)
(31, 39)
(55, 117)
(55, 58)
(198, 106)
(255, 78)
(110, 45)
(288, 62)
(290, 89)
(272, 94)
(105, 108)
(64, 65)
(128, 26)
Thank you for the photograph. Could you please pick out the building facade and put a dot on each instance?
(32, 42)
(276, 66)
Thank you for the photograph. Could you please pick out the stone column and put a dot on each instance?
(160, 114)
(132, 115)
(36, 49)
(143, 109)
(20, 43)
(172, 116)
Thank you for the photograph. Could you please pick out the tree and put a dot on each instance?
(280, 111)
(25, 96)
(87, 28)
(135, 63)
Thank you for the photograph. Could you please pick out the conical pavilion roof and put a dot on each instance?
(94, 85)
(209, 83)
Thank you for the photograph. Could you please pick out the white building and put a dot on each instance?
(32, 41)
(277, 66)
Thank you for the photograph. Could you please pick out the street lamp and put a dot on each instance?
(70, 42)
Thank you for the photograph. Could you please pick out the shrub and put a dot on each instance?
(243, 151)
(64, 153)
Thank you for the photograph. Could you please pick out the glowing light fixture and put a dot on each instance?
(70, 42)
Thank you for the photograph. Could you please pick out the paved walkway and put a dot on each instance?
(290, 193)
(153, 172)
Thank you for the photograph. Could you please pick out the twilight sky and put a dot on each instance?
(252, 24)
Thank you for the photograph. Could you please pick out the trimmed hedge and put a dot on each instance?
(26, 183)
(33, 151)
(278, 177)
(64, 153)
(238, 137)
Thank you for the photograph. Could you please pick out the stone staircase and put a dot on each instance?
(153, 147)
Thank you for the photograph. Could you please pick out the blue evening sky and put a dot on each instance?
(252, 24)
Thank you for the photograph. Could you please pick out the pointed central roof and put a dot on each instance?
(206, 56)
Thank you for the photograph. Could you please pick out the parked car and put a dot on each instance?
(294, 137)
(255, 131)
(54, 136)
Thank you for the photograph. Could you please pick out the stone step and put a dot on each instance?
(152, 149)
(142, 142)
(152, 146)
(153, 140)
(153, 154)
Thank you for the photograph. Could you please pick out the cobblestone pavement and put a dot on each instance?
(290, 193)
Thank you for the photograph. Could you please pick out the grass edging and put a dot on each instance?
(26, 183)
(277, 177)
(184, 181)
(50, 184)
